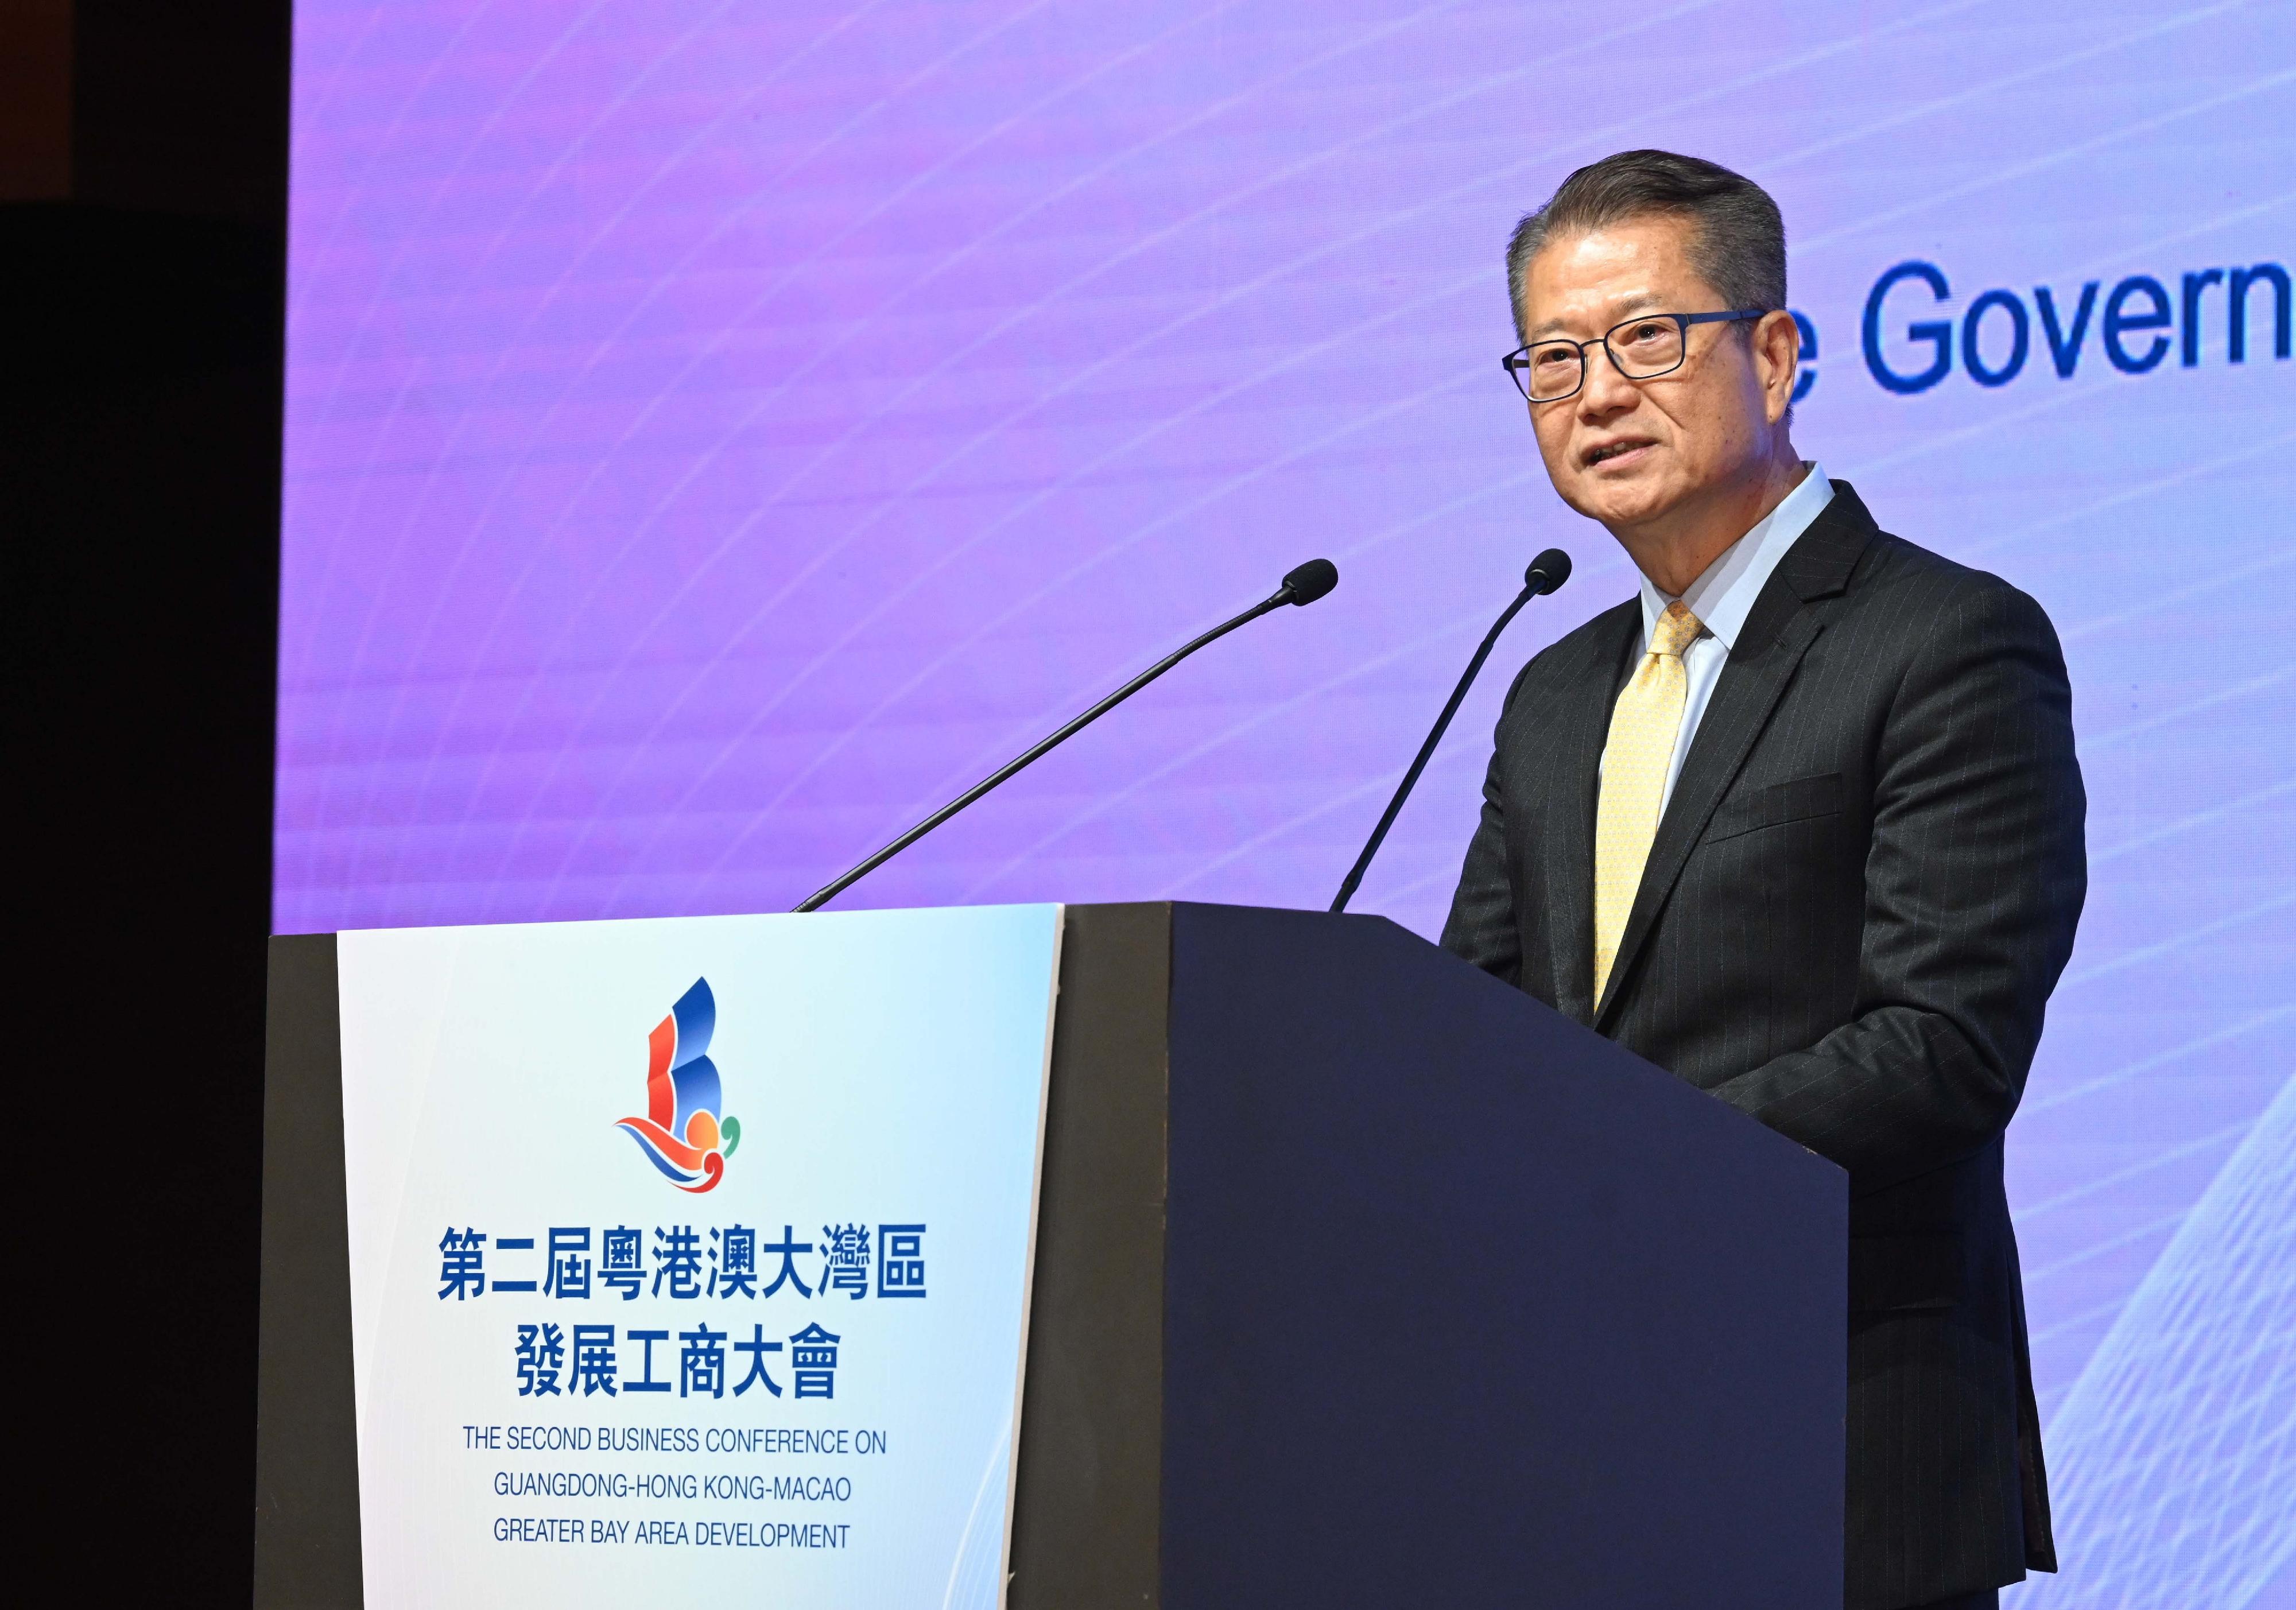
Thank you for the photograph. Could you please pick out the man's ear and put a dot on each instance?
(1778, 359)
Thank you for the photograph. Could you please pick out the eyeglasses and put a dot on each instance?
(1641, 348)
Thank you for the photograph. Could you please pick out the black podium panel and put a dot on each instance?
(307, 1513)
(1460, 1304)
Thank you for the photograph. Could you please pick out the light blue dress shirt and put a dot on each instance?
(1723, 597)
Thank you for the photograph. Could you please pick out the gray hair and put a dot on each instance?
(1739, 249)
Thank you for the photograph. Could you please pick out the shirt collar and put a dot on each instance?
(1724, 596)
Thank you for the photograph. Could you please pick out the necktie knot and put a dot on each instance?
(1678, 630)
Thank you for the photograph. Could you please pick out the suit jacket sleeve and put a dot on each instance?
(1974, 878)
(1481, 926)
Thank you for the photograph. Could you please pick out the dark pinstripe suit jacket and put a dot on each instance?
(1861, 893)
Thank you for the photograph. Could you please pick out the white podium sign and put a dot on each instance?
(690, 1259)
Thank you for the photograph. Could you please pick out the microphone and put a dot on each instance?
(1547, 574)
(1302, 586)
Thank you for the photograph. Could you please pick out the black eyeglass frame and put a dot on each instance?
(1518, 362)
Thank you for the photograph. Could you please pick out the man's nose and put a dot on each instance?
(1605, 390)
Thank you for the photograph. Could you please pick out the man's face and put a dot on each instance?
(1630, 452)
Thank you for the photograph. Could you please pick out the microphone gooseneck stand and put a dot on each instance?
(1547, 572)
(1302, 586)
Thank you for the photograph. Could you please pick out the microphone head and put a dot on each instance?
(1311, 581)
(1548, 572)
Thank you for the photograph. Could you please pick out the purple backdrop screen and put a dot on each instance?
(719, 434)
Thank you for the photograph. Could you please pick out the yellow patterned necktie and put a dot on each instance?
(1644, 724)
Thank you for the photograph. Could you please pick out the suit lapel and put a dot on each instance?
(1778, 632)
(1734, 718)
(1582, 723)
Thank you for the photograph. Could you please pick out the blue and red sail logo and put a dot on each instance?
(685, 1132)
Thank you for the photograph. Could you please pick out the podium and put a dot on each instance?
(1360, 1277)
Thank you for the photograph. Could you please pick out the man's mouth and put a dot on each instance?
(1605, 451)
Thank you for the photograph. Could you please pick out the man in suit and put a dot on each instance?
(1800, 823)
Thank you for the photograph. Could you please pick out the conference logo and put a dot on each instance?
(686, 1132)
